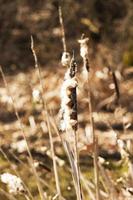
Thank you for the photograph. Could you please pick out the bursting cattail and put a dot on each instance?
(84, 52)
(69, 123)
(66, 59)
(68, 111)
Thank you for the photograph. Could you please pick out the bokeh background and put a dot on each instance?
(109, 25)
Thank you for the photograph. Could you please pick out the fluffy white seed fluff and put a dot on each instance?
(84, 52)
(66, 59)
(14, 183)
(65, 111)
(84, 47)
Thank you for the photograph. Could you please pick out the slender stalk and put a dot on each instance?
(68, 151)
(66, 148)
(77, 165)
(45, 114)
(62, 29)
(54, 159)
(27, 197)
(95, 147)
(86, 68)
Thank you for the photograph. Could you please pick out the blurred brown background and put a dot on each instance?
(108, 24)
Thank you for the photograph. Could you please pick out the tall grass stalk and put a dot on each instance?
(66, 58)
(62, 29)
(70, 155)
(69, 118)
(45, 113)
(86, 68)
(24, 136)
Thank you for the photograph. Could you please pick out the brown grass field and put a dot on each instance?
(66, 124)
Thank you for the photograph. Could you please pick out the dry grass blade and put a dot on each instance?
(66, 58)
(45, 113)
(54, 161)
(69, 153)
(84, 54)
(62, 29)
(38, 73)
(95, 147)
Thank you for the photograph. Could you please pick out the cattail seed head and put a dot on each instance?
(84, 54)
(68, 111)
(66, 59)
(84, 47)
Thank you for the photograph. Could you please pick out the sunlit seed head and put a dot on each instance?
(66, 59)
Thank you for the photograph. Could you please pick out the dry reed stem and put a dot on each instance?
(95, 151)
(62, 29)
(84, 54)
(77, 166)
(45, 113)
(23, 134)
(27, 198)
(66, 58)
(67, 149)
(54, 160)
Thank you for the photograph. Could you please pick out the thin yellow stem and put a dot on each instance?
(62, 29)
(45, 114)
